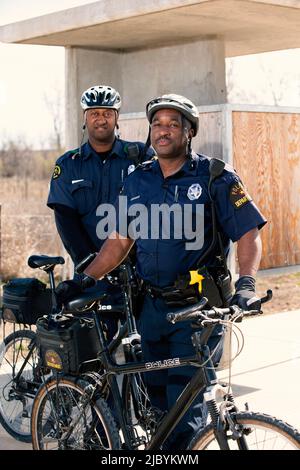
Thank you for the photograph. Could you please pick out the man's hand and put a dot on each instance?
(245, 296)
(68, 290)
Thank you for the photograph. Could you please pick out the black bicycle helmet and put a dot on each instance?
(178, 102)
(101, 96)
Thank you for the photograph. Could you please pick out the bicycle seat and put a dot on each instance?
(44, 261)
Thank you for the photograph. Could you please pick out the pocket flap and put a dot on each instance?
(81, 184)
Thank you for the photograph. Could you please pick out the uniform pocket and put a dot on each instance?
(83, 194)
(146, 264)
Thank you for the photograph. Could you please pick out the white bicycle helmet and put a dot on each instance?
(178, 102)
(101, 96)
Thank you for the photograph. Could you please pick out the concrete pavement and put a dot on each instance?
(266, 374)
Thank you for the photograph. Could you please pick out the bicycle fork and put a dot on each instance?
(221, 417)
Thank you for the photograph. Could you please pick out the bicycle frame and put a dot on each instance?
(205, 377)
(27, 390)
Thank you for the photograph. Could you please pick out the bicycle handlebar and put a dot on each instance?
(80, 267)
(196, 312)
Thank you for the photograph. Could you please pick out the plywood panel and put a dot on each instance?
(134, 129)
(266, 154)
(209, 138)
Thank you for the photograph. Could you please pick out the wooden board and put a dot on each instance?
(266, 154)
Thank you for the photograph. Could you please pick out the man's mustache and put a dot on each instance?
(162, 138)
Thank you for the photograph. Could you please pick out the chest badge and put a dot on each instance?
(194, 191)
(131, 168)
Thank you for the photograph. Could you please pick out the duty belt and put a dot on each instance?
(170, 292)
(154, 291)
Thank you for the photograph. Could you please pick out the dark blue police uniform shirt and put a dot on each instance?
(160, 260)
(84, 182)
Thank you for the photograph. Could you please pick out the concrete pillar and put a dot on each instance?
(196, 70)
(71, 98)
(85, 68)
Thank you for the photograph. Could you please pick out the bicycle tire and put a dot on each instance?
(267, 433)
(58, 404)
(15, 400)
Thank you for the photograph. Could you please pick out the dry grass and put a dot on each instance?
(286, 292)
(27, 227)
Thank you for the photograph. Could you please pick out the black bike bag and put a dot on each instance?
(25, 300)
(68, 342)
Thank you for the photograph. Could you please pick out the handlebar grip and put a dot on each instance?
(80, 267)
(267, 297)
(251, 313)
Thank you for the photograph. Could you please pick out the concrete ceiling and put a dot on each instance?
(246, 26)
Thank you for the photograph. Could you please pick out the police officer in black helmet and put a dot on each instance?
(91, 175)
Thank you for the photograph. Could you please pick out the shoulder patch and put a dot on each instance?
(56, 172)
(238, 195)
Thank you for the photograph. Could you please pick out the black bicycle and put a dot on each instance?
(21, 368)
(71, 413)
(21, 372)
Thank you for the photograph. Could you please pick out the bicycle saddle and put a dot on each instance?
(43, 261)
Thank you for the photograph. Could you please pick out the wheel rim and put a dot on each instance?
(15, 403)
(61, 407)
(263, 436)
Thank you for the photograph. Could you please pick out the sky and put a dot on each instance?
(31, 74)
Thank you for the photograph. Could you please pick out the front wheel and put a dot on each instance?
(259, 432)
(65, 417)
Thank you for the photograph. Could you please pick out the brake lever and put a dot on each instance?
(203, 321)
(210, 321)
(237, 314)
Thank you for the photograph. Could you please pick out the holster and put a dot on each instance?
(217, 286)
(225, 288)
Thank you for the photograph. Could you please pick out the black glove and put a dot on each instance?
(68, 290)
(245, 296)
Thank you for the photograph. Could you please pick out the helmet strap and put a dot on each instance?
(189, 149)
(147, 145)
(117, 128)
(82, 134)
(117, 131)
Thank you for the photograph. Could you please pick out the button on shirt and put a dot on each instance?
(84, 182)
(162, 250)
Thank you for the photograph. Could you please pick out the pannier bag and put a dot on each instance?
(25, 300)
(67, 342)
